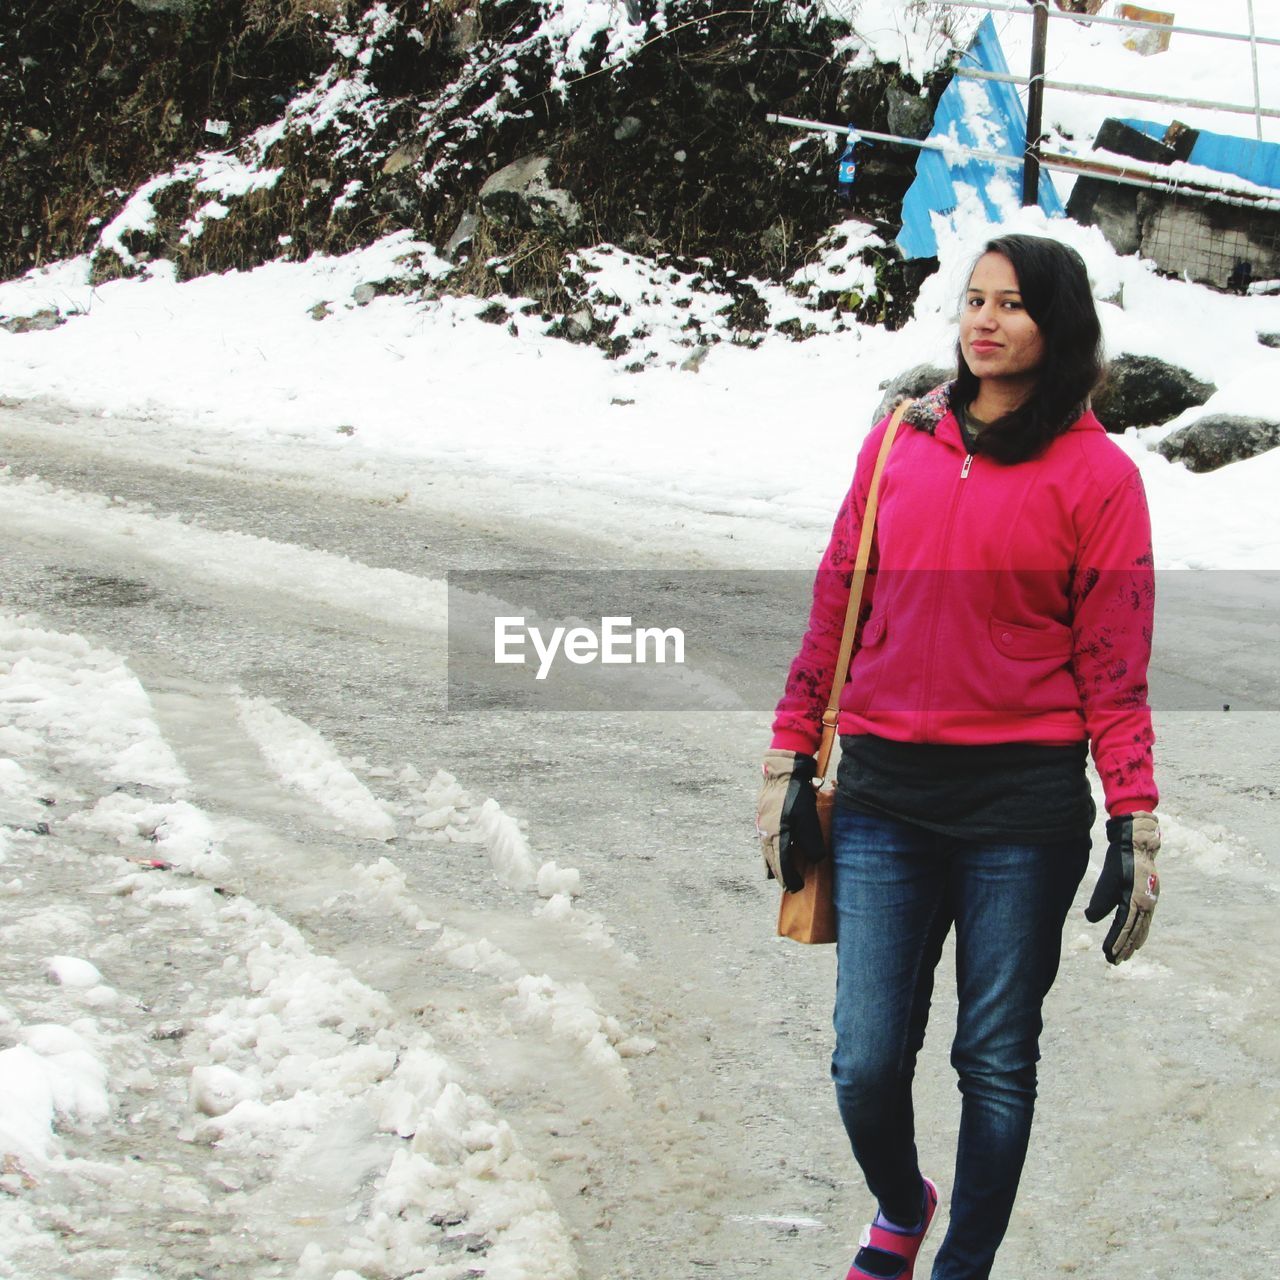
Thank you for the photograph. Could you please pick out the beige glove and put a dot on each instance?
(1128, 883)
(787, 817)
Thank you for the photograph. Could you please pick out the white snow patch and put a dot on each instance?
(176, 832)
(85, 703)
(52, 1077)
(71, 971)
(513, 861)
(307, 762)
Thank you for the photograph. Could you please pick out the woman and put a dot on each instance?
(1006, 629)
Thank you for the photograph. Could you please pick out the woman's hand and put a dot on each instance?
(787, 817)
(1128, 883)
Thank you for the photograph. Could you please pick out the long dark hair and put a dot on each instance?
(1055, 291)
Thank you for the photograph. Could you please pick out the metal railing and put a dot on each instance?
(1041, 13)
(1034, 158)
(1090, 18)
(972, 73)
(1134, 174)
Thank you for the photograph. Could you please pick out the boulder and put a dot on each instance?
(35, 323)
(519, 195)
(911, 383)
(1112, 209)
(1213, 441)
(1141, 391)
(1269, 339)
(910, 115)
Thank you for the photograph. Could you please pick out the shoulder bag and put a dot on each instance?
(809, 914)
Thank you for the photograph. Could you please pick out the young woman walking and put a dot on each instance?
(1005, 631)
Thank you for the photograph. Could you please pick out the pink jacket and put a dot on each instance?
(1006, 603)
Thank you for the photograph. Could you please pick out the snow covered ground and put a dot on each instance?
(304, 976)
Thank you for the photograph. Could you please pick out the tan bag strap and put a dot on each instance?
(856, 587)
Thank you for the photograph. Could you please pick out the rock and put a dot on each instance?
(1141, 391)
(466, 32)
(408, 153)
(579, 324)
(363, 294)
(463, 234)
(519, 195)
(911, 383)
(1110, 208)
(320, 311)
(1213, 441)
(910, 115)
(693, 362)
(628, 128)
(48, 319)
(1269, 339)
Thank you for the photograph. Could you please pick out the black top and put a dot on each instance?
(1007, 791)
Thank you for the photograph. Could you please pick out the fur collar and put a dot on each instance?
(929, 410)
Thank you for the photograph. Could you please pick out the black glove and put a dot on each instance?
(787, 817)
(1128, 884)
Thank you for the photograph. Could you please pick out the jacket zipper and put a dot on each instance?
(937, 596)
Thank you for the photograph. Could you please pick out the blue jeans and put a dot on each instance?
(898, 890)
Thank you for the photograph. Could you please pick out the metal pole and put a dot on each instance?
(1253, 49)
(1035, 103)
(1091, 18)
(972, 73)
(947, 148)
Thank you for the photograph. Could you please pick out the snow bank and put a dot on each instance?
(281, 1049)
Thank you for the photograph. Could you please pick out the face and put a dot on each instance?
(1000, 341)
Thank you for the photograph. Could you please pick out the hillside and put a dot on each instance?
(221, 136)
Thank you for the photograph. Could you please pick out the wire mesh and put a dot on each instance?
(1229, 248)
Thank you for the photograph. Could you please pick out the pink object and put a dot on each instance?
(901, 1244)
(1008, 603)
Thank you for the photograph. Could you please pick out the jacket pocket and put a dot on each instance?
(867, 666)
(1014, 640)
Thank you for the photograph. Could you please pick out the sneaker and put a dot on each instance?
(886, 1252)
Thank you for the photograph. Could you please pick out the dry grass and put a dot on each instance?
(521, 264)
(288, 17)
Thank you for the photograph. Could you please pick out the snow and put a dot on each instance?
(305, 761)
(1210, 70)
(917, 37)
(239, 359)
(398, 599)
(282, 1043)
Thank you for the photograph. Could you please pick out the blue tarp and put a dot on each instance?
(1245, 157)
(997, 123)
